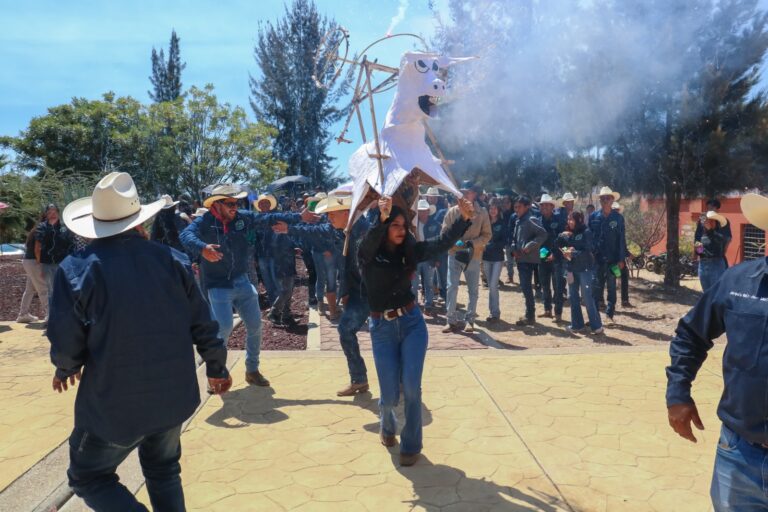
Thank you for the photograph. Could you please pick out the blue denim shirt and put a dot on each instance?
(129, 311)
(237, 244)
(610, 241)
(736, 305)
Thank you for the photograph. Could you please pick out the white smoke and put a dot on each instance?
(399, 17)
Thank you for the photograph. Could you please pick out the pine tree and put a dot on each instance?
(166, 76)
(285, 96)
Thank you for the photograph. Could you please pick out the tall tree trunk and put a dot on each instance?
(672, 199)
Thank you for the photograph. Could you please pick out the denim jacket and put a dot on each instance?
(129, 311)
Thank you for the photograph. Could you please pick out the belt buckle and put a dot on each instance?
(395, 314)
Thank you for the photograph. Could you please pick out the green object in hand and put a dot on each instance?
(543, 253)
(616, 270)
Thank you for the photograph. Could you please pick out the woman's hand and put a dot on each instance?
(385, 207)
(466, 208)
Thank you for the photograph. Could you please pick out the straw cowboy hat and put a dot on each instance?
(567, 197)
(333, 204)
(224, 191)
(713, 215)
(266, 197)
(755, 209)
(200, 212)
(547, 199)
(432, 192)
(169, 202)
(113, 208)
(606, 191)
(423, 205)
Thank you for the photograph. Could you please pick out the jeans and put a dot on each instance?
(93, 462)
(740, 476)
(584, 282)
(268, 277)
(525, 270)
(552, 282)
(244, 298)
(492, 273)
(36, 282)
(282, 305)
(49, 273)
(355, 314)
(605, 276)
(399, 348)
(312, 281)
(509, 254)
(327, 269)
(472, 276)
(442, 276)
(425, 273)
(710, 270)
(625, 284)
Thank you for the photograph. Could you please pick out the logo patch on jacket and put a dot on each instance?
(239, 225)
(578, 237)
(613, 224)
(554, 225)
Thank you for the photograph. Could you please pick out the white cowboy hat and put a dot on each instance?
(615, 206)
(266, 197)
(343, 190)
(423, 205)
(432, 192)
(606, 191)
(200, 212)
(333, 204)
(224, 191)
(319, 196)
(547, 199)
(567, 197)
(113, 208)
(755, 209)
(719, 218)
(169, 202)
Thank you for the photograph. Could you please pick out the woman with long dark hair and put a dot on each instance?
(577, 245)
(388, 255)
(35, 280)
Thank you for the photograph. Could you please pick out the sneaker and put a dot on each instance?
(525, 321)
(469, 327)
(289, 321)
(574, 330)
(598, 331)
(27, 319)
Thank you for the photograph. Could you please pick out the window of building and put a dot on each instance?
(753, 242)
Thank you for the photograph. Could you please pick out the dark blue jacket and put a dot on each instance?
(351, 282)
(129, 311)
(494, 250)
(320, 237)
(282, 249)
(582, 258)
(432, 229)
(610, 241)
(736, 305)
(166, 228)
(555, 225)
(56, 242)
(237, 244)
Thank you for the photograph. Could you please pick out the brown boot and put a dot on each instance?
(388, 441)
(353, 389)
(333, 312)
(256, 378)
(408, 459)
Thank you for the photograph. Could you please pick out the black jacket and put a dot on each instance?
(385, 275)
(56, 242)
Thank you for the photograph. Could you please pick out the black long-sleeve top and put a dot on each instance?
(385, 274)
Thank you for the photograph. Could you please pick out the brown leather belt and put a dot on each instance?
(391, 314)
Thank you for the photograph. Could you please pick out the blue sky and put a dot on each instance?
(51, 51)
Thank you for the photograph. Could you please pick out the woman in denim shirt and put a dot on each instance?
(493, 258)
(388, 255)
(577, 245)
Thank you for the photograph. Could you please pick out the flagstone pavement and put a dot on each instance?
(503, 431)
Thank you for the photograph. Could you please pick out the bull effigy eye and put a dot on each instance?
(435, 67)
(421, 66)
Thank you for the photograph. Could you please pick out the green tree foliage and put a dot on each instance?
(166, 75)
(285, 96)
(579, 174)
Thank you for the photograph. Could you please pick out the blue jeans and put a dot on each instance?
(492, 273)
(49, 273)
(525, 270)
(472, 276)
(425, 273)
(399, 349)
(282, 304)
(710, 270)
(442, 276)
(355, 314)
(268, 277)
(605, 277)
(740, 476)
(327, 269)
(509, 255)
(583, 281)
(552, 281)
(93, 462)
(244, 298)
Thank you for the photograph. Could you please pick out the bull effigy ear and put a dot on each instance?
(445, 62)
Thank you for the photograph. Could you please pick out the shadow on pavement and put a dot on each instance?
(4, 328)
(439, 485)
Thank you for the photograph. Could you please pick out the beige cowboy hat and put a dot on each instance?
(567, 197)
(616, 206)
(113, 208)
(547, 199)
(333, 204)
(606, 191)
(265, 197)
(423, 205)
(345, 189)
(224, 191)
(755, 209)
(432, 192)
(713, 215)
(169, 202)
(200, 212)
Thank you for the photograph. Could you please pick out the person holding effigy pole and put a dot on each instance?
(388, 255)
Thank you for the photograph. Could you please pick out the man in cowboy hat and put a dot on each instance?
(263, 240)
(713, 205)
(710, 248)
(551, 270)
(124, 315)
(607, 226)
(568, 201)
(737, 305)
(223, 240)
(476, 236)
(427, 228)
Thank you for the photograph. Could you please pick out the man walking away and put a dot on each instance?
(124, 315)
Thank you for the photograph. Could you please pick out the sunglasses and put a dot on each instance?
(228, 204)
